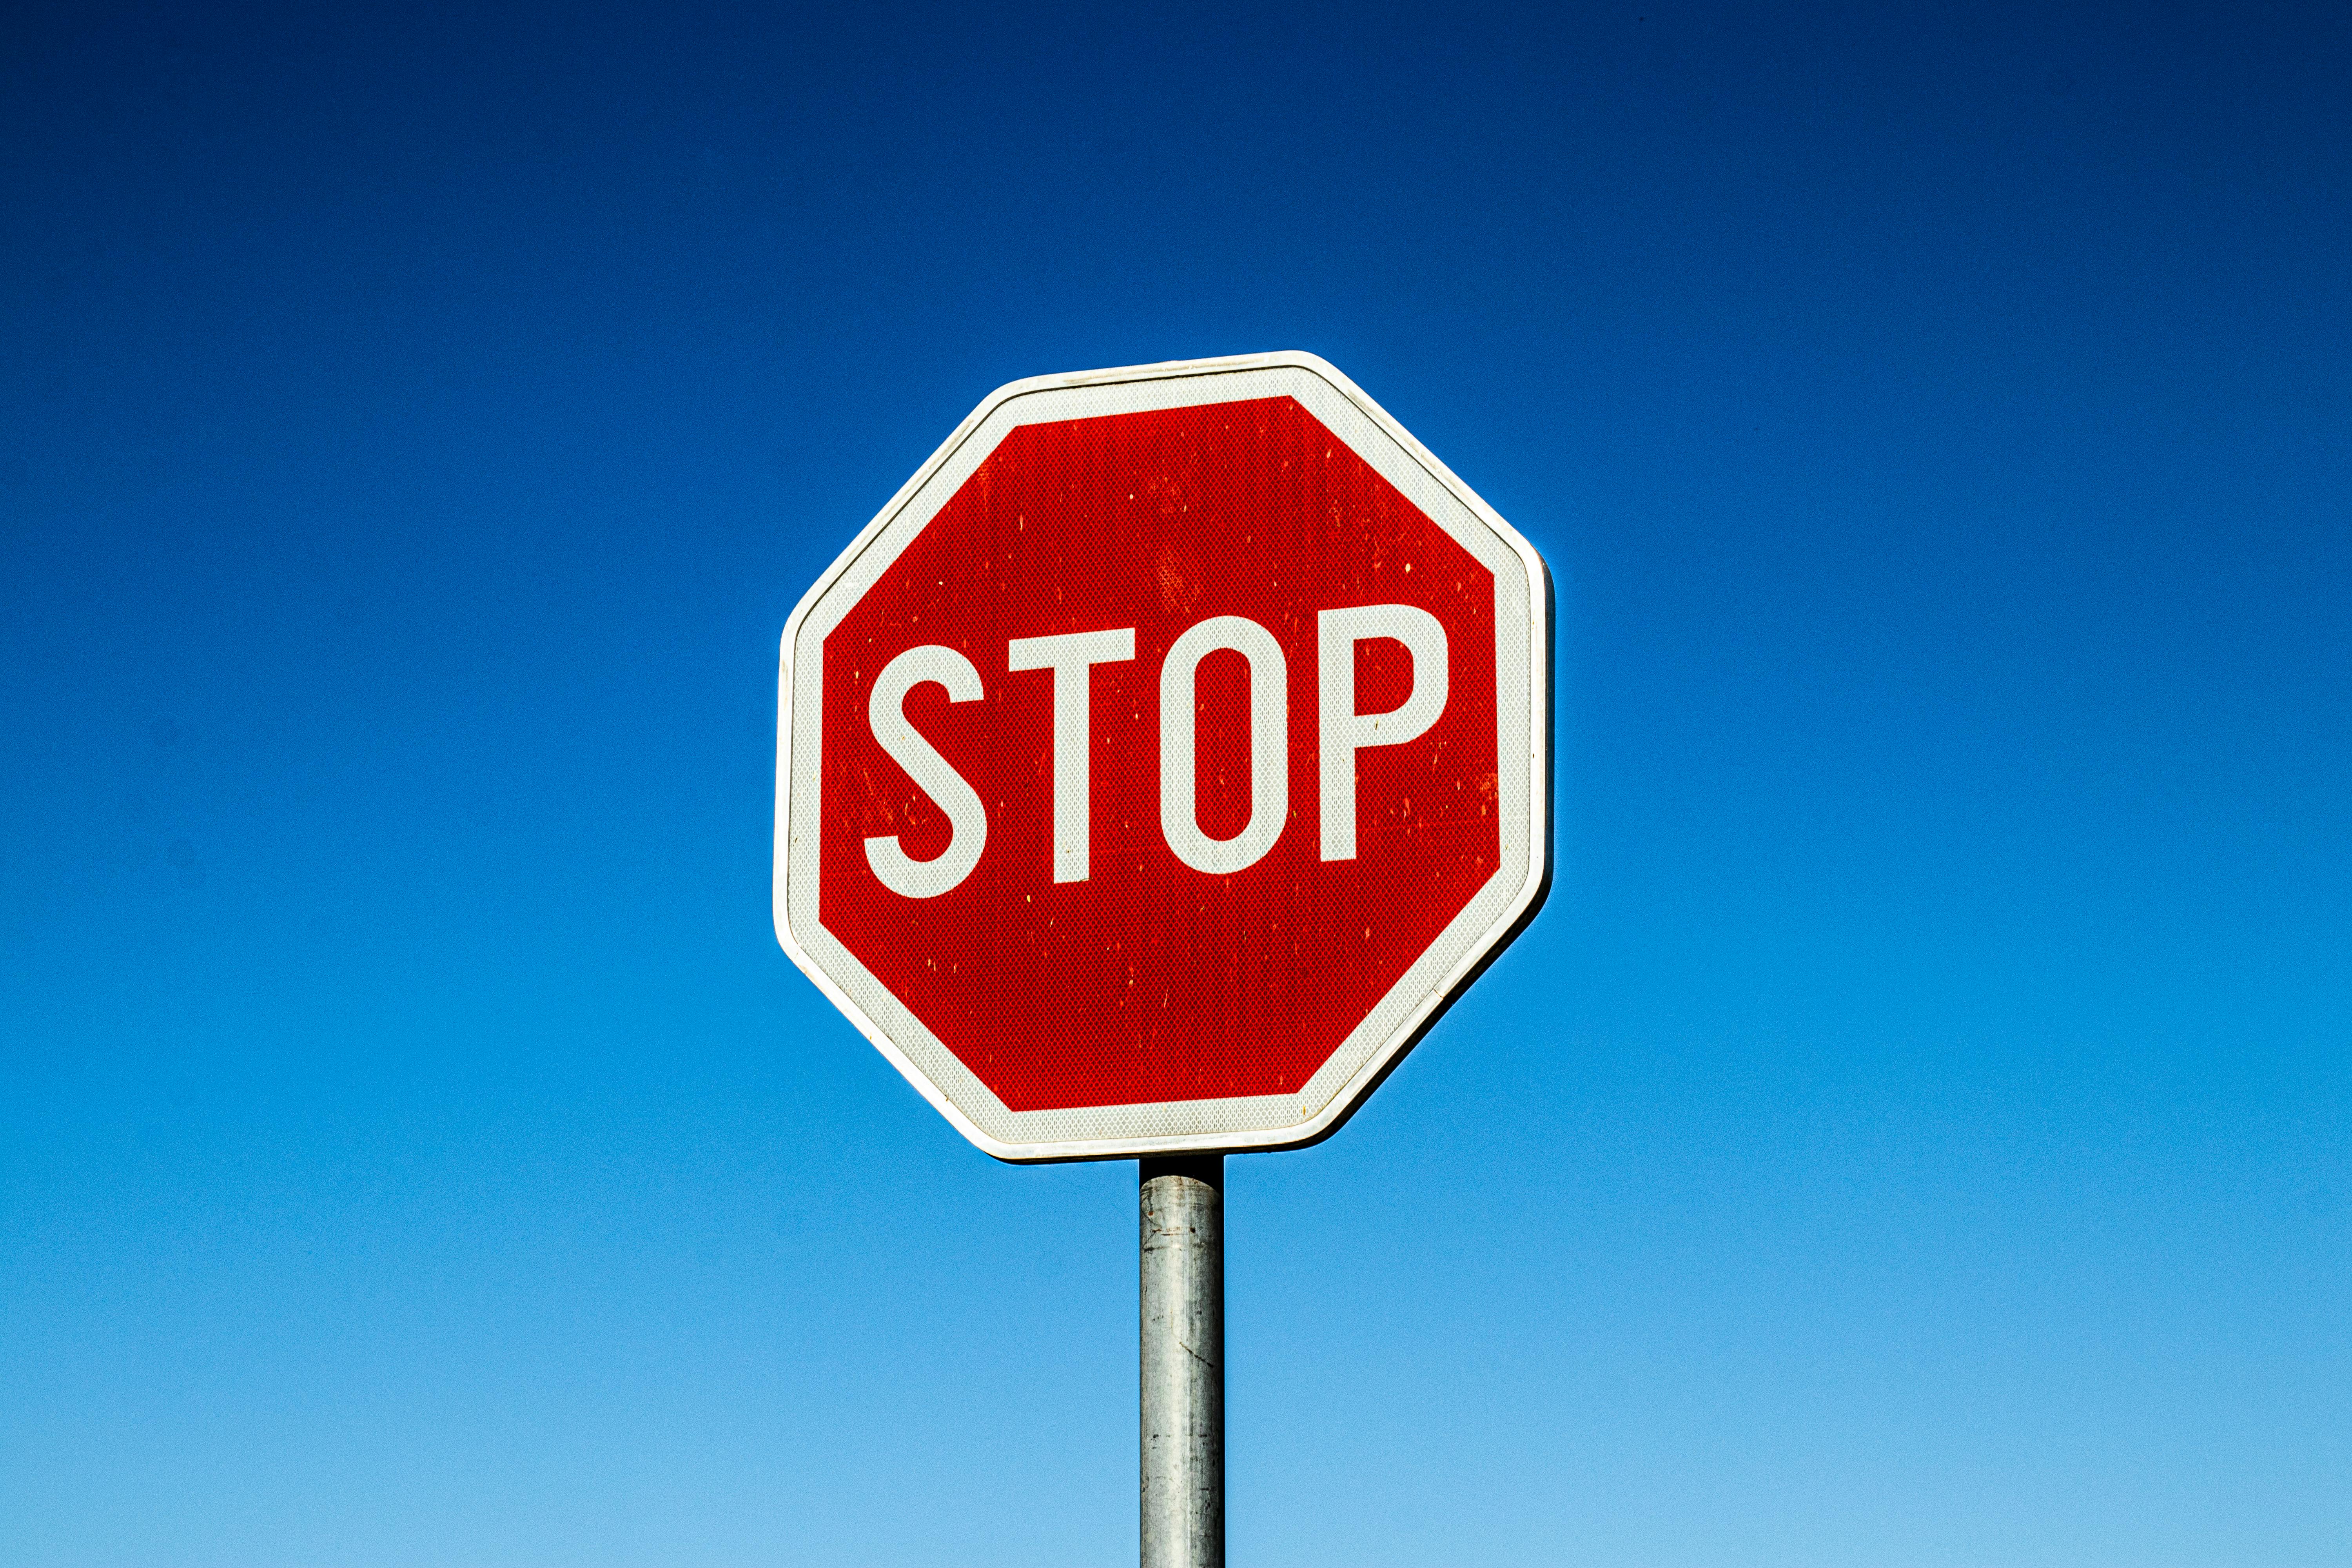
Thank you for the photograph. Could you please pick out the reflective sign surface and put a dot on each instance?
(1150, 774)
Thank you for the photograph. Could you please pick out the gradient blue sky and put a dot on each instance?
(1916, 1133)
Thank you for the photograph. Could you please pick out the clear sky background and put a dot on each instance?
(1915, 1133)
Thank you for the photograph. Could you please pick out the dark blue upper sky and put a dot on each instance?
(1913, 1133)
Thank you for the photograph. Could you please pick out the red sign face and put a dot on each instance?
(1158, 762)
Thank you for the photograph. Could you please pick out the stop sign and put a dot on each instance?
(1160, 759)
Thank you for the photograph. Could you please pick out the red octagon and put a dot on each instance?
(991, 799)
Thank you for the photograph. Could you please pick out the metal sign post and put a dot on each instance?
(1150, 773)
(1182, 1387)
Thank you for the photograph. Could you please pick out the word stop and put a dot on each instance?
(1340, 733)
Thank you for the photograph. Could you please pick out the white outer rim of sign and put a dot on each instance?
(1514, 918)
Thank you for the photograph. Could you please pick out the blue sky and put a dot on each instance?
(1915, 1132)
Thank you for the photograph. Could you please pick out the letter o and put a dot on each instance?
(1269, 733)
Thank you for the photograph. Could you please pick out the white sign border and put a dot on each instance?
(1327, 1104)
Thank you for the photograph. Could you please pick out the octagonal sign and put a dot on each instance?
(1158, 762)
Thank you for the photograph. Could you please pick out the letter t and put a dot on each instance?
(1071, 657)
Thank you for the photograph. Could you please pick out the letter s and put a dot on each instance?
(885, 711)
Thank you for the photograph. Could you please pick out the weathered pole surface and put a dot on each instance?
(1182, 1211)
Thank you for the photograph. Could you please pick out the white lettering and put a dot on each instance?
(885, 711)
(1071, 657)
(1269, 745)
(1341, 731)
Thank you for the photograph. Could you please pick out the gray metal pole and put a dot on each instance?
(1182, 1204)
